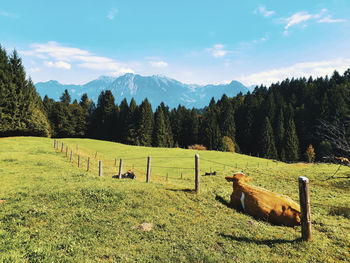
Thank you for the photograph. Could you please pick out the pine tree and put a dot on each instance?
(160, 131)
(267, 142)
(131, 123)
(228, 127)
(279, 133)
(169, 134)
(65, 98)
(21, 108)
(145, 124)
(210, 131)
(194, 126)
(85, 102)
(102, 119)
(291, 141)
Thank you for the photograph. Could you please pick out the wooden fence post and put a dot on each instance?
(96, 155)
(115, 162)
(120, 169)
(78, 160)
(167, 176)
(71, 156)
(181, 175)
(54, 144)
(88, 164)
(100, 168)
(305, 208)
(148, 169)
(197, 176)
(62, 147)
(66, 151)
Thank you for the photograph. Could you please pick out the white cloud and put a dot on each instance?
(262, 10)
(158, 64)
(54, 50)
(304, 69)
(297, 18)
(122, 71)
(64, 56)
(303, 17)
(260, 40)
(10, 15)
(217, 51)
(58, 64)
(328, 19)
(112, 13)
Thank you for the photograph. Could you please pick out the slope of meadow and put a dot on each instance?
(51, 210)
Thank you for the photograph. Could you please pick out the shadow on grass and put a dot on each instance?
(268, 242)
(222, 201)
(186, 190)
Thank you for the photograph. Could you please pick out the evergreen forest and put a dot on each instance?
(278, 122)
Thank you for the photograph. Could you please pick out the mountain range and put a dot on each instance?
(156, 89)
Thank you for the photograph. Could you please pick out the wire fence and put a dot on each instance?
(164, 169)
(162, 166)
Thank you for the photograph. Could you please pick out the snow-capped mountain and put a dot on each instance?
(156, 88)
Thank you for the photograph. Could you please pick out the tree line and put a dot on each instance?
(280, 122)
(21, 108)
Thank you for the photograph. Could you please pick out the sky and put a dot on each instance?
(202, 42)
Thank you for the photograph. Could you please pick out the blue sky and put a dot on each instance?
(192, 41)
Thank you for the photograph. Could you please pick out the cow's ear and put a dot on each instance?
(229, 178)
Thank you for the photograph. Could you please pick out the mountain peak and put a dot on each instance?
(54, 82)
(157, 88)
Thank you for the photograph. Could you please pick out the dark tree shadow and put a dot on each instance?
(222, 201)
(268, 242)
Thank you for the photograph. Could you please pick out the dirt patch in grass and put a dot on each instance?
(143, 227)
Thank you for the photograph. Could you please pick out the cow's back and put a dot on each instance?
(266, 205)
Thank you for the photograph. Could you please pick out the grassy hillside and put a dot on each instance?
(51, 210)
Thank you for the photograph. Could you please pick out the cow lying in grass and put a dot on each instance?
(263, 204)
(128, 175)
(211, 173)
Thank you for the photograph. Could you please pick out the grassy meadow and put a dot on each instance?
(51, 210)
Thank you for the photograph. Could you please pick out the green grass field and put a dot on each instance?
(53, 211)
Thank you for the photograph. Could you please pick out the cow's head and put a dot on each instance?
(238, 177)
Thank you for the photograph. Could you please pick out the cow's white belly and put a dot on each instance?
(242, 201)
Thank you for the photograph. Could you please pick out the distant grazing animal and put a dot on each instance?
(343, 160)
(128, 175)
(211, 173)
(263, 204)
(337, 160)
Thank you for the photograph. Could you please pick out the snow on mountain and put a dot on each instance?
(156, 89)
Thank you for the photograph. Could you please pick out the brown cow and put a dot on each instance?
(263, 204)
(343, 160)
